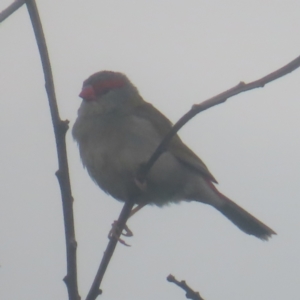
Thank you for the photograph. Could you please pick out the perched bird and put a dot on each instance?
(117, 131)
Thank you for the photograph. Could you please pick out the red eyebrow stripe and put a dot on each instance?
(103, 86)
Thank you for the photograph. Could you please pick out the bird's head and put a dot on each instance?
(106, 91)
(101, 83)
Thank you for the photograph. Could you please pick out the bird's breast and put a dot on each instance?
(112, 151)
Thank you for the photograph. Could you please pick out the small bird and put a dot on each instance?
(117, 131)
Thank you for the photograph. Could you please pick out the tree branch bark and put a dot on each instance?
(11, 9)
(60, 129)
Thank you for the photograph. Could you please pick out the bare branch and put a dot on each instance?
(190, 294)
(221, 98)
(11, 9)
(60, 129)
(95, 288)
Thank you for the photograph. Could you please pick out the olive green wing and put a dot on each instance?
(162, 125)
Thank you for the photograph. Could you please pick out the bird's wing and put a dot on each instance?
(162, 125)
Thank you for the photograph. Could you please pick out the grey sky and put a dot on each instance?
(177, 53)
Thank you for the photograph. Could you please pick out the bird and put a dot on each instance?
(117, 131)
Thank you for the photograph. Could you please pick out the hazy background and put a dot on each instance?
(177, 53)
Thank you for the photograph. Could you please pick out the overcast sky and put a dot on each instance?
(177, 53)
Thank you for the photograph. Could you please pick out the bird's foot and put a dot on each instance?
(115, 233)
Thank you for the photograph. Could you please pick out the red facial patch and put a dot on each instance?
(88, 93)
(102, 87)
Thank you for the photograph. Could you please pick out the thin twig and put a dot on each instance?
(11, 9)
(60, 129)
(190, 294)
(221, 98)
(95, 288)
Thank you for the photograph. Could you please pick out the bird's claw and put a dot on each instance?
(115, 233)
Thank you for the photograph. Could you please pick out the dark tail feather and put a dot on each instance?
(245, 221)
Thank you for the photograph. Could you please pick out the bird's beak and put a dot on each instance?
(88, 93)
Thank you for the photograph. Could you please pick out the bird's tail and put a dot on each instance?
(245, 221)
(238, 216)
